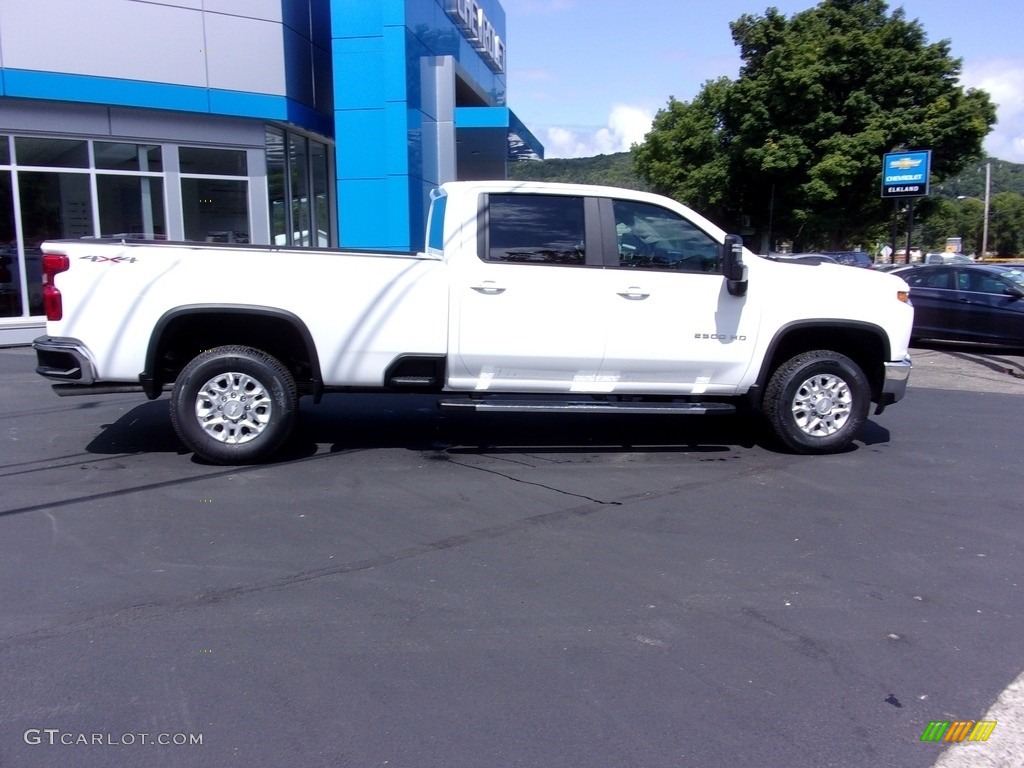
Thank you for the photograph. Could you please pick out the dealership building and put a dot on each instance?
(300, 123)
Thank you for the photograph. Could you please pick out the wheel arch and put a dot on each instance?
(184, 332)
(867, 344)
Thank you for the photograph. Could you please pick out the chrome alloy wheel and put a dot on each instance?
(233, 408)
(822, 405)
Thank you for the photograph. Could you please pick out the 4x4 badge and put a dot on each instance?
(115, 259)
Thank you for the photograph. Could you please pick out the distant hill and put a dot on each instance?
(617, 171)
(612, 170)
(970, 182)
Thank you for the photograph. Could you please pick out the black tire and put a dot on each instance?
(817, 402)
(234, 405)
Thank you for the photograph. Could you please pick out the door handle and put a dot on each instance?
(634, 293)
(488, 287)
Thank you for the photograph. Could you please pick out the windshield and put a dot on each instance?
(1014, 275)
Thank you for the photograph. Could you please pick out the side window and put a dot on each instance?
(435, 236)
(979, 282)
(650, 237)
(535, 229)
(928, 278)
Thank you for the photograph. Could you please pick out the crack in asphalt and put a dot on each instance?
(536, 485)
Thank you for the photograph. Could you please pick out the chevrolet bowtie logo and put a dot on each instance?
(905, 163)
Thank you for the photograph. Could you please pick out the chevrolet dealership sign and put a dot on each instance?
(479, 31)
(906, 174)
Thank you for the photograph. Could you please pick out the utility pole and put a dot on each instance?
(988, 192)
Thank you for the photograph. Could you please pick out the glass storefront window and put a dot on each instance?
(60, 188)
(321, 193)
(276, 187)
(213, 162)
(216, 210)
(10, 271)
(51, 153)
(298, 187)
(111, 156)
(131, 206)
(53, 206)
(298, 157)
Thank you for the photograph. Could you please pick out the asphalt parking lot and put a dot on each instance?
(411, 589)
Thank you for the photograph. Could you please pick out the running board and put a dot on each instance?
(582, 406)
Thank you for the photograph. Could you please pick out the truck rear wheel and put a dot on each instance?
(234, 405)
(817, 401)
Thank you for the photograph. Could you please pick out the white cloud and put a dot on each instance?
(1004, 82)
(627, 125)
(1002, 79)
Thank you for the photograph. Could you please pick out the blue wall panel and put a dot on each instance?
(359, 66)
(378, 48)
(370, 126)
(357, 18)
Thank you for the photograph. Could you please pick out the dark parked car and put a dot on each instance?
(981, 303)
(803, 258)
(852, 258)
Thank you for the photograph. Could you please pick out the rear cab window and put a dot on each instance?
(535, 229)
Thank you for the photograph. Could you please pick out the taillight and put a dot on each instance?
(53, 264)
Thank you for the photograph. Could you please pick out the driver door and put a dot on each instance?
(674, 327)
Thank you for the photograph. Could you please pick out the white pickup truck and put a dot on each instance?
(528, 297)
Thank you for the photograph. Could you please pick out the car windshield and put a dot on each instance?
(1014, 275)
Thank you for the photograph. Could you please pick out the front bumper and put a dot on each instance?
(894, 383)
(64, 360)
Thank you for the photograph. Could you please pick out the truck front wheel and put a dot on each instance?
(234, 405)
(817, 401)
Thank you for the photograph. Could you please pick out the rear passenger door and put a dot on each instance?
(526, 312)
(938, 312)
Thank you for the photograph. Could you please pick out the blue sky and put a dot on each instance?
(587, 76)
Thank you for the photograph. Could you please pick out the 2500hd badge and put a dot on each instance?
(719, 336)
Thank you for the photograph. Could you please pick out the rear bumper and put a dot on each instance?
(64, 360)
(894, 384)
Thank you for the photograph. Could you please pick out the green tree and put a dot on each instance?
(796, 142)
(943, 218)
(1006, 224)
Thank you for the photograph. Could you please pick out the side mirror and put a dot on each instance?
(733, 268)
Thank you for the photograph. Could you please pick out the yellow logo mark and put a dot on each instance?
(906, 163)
(958, 730)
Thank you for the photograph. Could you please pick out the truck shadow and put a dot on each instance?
(414, 422)
(364, 421)
(350, 422)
